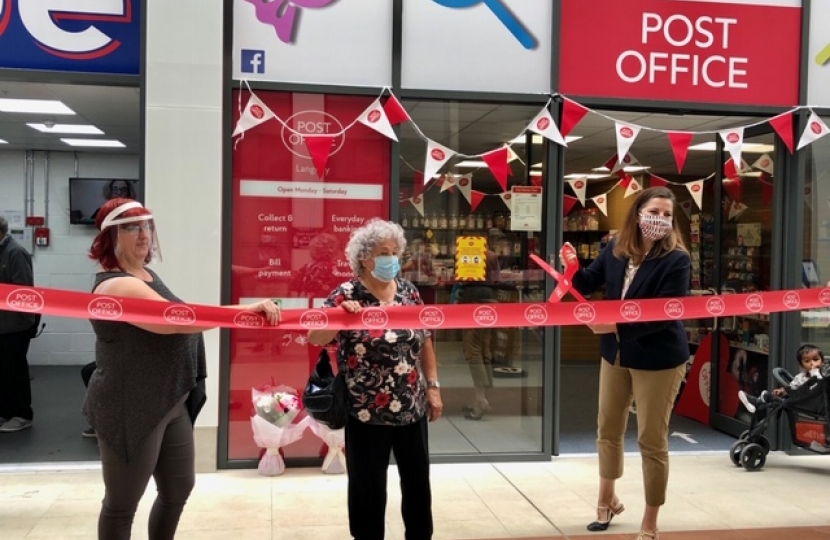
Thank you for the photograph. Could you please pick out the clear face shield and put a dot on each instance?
(138, 231)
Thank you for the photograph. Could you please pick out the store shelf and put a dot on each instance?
(750, 348)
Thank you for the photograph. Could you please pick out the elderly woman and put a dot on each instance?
(392, 380)
(148, 386)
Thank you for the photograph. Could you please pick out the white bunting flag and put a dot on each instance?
(511, 154)
(507, 199)
(579, 185)
(736, 209)
(626, 133)
(686, 206)
(544, 125)
(375, 117)
(447, 181)
(616, 165)
(634, 186)
(437, 156)
(764, 163)
(255, 113)
(602, 203)
(733, 139)
(696, 189)
(816, 129)
(418, 203)
(465, 185)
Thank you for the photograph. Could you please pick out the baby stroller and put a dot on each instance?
(806, 411)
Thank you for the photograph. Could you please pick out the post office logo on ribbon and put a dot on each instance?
(431, 317)
(180, 314)
(375, 318)
(630, 311)
(674, 309)
(754, 303)
(585, 313)
(25, 300)
(485, 316)
(314, 319)
(824, 297)
(105, 308)
(248, 319)
(536, 315)
(715, 306)
(792, 300)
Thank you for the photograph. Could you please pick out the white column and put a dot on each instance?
(183, 166)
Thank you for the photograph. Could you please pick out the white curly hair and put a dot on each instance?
(366, 238)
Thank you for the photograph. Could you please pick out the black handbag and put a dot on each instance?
(324, 397)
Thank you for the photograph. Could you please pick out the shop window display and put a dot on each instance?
(815, 264)
(492, 379)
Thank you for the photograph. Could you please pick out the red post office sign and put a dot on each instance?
(736, 51)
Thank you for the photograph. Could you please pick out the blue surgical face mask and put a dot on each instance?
(386, 267)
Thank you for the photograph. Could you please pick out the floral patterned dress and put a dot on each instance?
(383, 373)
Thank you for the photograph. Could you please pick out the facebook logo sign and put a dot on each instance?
(253, 61)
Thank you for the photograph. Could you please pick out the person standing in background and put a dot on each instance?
(16, 331)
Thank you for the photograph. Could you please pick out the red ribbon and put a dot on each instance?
(92, 306)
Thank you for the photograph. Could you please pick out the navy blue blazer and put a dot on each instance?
(650, 345)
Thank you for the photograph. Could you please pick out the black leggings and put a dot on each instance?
(168, 455)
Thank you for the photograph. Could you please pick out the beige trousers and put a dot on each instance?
(653, 392)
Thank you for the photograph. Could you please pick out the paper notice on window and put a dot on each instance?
(527, 208)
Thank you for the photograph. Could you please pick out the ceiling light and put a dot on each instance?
(536, 165)
(34, 106)
(535, 173)
(471, 164)
(102, 143)
(749, 148)
(81, 129)
(538, 139)
(630, 168)
(3, 142)
(587, 176)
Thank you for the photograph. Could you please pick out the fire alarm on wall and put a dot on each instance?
(35, 221)
(42, 237)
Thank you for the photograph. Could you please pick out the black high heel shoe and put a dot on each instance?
(604, 516)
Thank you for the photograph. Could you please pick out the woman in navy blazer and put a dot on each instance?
(641, 362)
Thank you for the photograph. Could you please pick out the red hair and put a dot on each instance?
(103, 247)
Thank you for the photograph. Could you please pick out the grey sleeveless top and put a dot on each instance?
(140, 376)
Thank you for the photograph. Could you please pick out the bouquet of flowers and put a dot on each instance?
(275, 408)
(335, 439)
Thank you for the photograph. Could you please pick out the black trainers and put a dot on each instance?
(89, 433)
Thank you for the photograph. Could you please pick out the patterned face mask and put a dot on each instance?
(654, 227)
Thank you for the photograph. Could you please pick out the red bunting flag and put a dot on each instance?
(766, 194)
(572, 114)
(476, 198)
(735, 188)
(395, 111)
(497, 161)
(568, 203)
(419, 182)
(626, 180)
(319, 146)
(658, 181)
(680, 141)
(783, 125)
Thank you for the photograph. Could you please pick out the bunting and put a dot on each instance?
(255, 113)
(572, 114)
(375, 117)
(568, 203)
(601, 201)
(783, 125)
(696, 189)
(497, 161)
(815, 130)
(437, 156)
(545, 126)
(680, 141)
(733, 139)
(475, 200)
(395, 112)
(319, 147)
(578, 186)
(626, 133)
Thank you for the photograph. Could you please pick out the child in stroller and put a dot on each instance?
(811, 360)
(803, 399)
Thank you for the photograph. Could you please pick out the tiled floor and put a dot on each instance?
(550, 500)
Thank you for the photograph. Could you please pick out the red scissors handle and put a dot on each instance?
(564, 283)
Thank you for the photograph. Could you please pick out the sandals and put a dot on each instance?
(646, 535)
(604, 516)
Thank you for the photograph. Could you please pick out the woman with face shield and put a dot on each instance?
(148, 385)
(393, 389)
(643, 362)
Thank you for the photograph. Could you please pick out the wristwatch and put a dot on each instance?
(433, 384)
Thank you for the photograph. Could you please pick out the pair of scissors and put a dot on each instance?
(564, 283)
(510, 21)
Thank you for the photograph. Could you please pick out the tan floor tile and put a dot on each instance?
(217, 519)
(318, 532)
(65, 527)
(228, 534)
(469, 529)
(16, 528)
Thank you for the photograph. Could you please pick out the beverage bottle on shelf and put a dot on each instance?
(442, 221)
(517, 247)
(443, 248)
(405, 220)
(471, 221)
(489, 223)
(453, 221)
(416, 221)
(480, 222)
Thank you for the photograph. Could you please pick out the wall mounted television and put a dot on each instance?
(87, 195)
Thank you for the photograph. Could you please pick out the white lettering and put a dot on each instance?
(706, 64)
(655, 67)
(734, 71)
(643, 67)
(37, 17)
(689, 30)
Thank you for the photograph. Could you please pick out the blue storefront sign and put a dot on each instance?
(98, 36)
